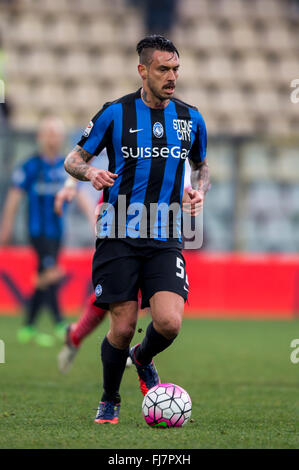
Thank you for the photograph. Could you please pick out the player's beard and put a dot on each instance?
(157, 93)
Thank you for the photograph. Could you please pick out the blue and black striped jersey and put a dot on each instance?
(41, 179)
(147, 148)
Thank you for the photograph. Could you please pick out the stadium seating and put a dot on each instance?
(228, 44)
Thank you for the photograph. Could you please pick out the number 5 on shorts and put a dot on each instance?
(181, 272)
(181, 268)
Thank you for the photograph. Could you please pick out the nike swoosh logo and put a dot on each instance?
(134, 130)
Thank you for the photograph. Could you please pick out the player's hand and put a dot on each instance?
(193, 201)
(102, 179)
(64, 195)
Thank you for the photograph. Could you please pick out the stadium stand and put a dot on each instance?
(231, 44)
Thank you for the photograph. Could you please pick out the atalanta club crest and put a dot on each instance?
(98, 290)
(158, 130)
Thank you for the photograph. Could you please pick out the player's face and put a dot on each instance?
(51, 138)
(162, 74)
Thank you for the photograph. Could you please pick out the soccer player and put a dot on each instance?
(148, 135)
(40, 177)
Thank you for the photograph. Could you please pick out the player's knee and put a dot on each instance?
(125, 333)
(128, 333)
(170, 327)
(123, 323)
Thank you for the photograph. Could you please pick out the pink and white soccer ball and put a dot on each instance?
(166, 405)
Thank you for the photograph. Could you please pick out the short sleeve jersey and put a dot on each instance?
(41, 179)
(147, 149)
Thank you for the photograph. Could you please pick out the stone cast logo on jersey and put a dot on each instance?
(88, 129)
(158, 130)
(183, 129)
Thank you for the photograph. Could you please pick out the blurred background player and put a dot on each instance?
(40, 177)
(92, 315)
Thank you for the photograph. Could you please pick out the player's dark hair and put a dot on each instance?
(147, 45)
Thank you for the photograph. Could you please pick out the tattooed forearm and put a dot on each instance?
(76, 163)
(200, 176)
(86, 156)
(76, 168)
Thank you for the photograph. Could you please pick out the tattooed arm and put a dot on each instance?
(76, 164)
(200, 182)
(200, 176)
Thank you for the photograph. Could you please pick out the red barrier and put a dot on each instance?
(221, 285)
(264, 286)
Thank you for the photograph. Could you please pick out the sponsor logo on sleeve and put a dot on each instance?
(88, 129)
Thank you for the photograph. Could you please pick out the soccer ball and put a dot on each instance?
(166, 405)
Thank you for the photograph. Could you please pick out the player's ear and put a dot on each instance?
(142, 70)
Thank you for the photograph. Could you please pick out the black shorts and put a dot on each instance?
(47, 250)
(121, 267)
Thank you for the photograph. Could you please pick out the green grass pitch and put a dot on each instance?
(243, 386)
